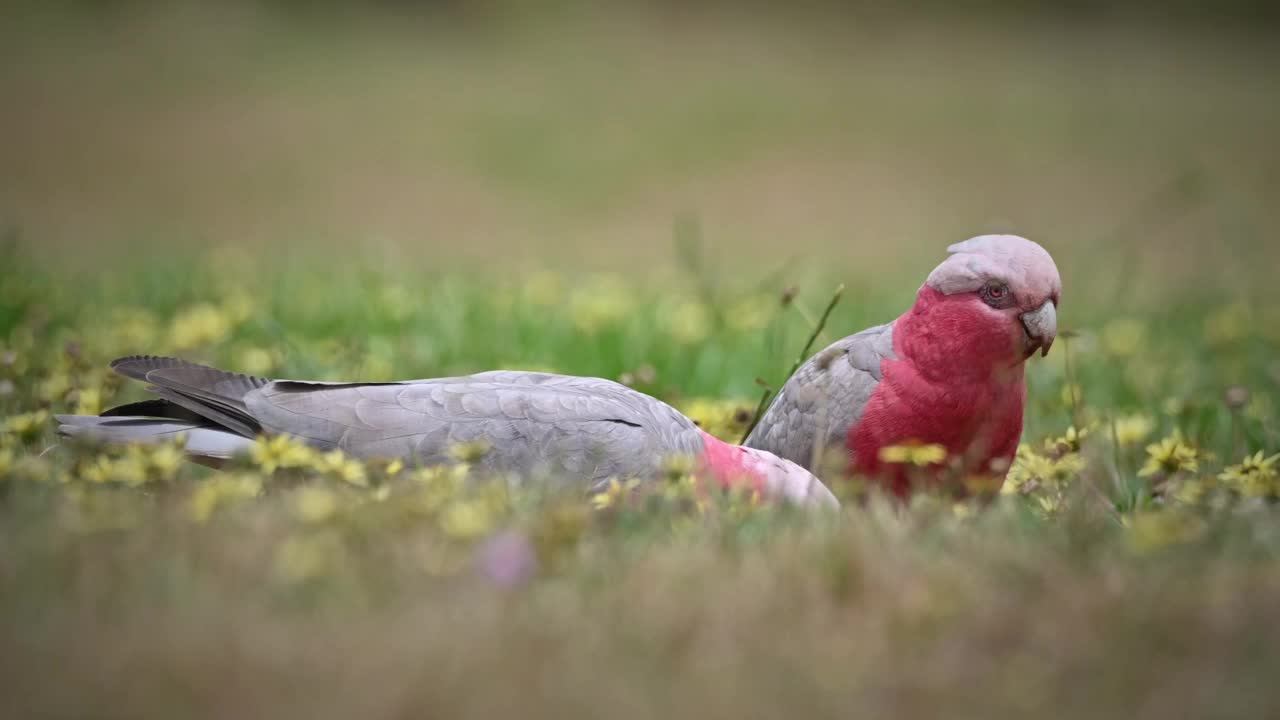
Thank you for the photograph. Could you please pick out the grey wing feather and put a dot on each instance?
(137, 366)
(214, 394)
(532, 421)
(562, 424)
(818, 405)
(232, 420)
(227, 387)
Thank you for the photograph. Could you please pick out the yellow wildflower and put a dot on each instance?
(258, 361)
(26, 426)
(724, 419)
(7, 457)
(451, 476)
(1070, 442)
(680, 487)
(441, 484)
(1032, 471)
(202, 324)
(1255, 476)
(55, 387)
(612, 494)
(339, 465)
(470, 452)
(280, 451)
(689, 322)
(88, 401)
(678, 467)
(165, 460)
(129, 470)
(1049, 503)
(1133, 429)
(1170, 455)
(913, 454)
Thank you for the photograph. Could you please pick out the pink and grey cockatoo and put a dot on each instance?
(559, 427)
(948, 372)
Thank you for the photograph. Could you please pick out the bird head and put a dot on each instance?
(1001, 291)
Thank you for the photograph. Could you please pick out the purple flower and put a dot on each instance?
(507, 559)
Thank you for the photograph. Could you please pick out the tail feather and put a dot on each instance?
(159, 408)
(216, 395)
(203, 442)
(209, 411)
(137, 366)
(226, 383)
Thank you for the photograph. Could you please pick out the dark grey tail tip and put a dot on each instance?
(121, 365)
(130, 358)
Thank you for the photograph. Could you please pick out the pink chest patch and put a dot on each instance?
(979, 423)
(730, 465)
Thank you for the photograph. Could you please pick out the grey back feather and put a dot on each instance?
(565, 426)
(532, 422)
(818, 405)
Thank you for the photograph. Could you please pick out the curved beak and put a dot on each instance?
(1042, 327)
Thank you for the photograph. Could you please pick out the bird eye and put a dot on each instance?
(995, 294)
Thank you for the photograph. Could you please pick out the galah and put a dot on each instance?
(947, 372)
(535, 425)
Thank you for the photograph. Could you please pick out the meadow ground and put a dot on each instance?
(668, 200)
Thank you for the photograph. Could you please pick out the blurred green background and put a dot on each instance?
(633, 190)
(846, 136)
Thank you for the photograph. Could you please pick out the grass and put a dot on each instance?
(1113, 578)
(356, 202)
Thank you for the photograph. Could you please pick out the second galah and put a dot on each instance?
(947, 372)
